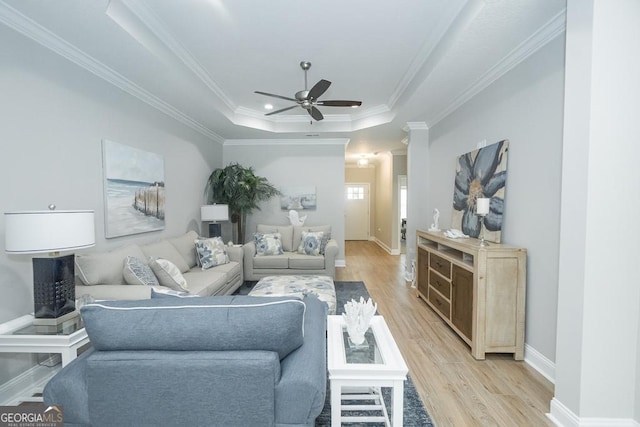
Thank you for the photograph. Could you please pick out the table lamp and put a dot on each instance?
(214, 213)
(52, 231)
(482, 210)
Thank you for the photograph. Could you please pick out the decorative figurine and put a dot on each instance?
(357, 317)
(436, 217)
(294, 219)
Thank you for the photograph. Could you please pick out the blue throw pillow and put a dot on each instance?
(311, 243)
(268, 244)
(136, 272)
(211, 252)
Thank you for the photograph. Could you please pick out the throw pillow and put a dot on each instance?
(136, 272)
(168, 274)
(211, 252)
(310, 242)
(326, 236)
(268, 244)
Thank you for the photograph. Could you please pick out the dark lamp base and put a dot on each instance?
(54, 291)
(215, 229)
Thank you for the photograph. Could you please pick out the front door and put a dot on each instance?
(357, 212)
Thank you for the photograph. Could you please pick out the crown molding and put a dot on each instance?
(415, 126)
(548, 32)
(399, 152)
(302, 142)
(154, 24)
(31, 29)
(372, 112)
(445, 34)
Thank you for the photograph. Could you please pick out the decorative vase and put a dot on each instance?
(357, 318)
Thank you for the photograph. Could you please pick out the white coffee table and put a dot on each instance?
(22, 336)
(352, 370)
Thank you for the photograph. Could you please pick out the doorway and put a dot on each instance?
(357, 212)
(402, 212)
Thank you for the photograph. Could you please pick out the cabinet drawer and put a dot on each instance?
(440, 283)
(439, 303)
(440, 265)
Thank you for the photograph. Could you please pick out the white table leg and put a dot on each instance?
(68, 354)
(336, 404)
(397, 402)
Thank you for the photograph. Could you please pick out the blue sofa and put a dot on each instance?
(209, 361)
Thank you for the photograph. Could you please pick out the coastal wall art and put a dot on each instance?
(134, 192)
(480, 173)
(298, 198)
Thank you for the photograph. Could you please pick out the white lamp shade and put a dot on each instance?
(482, 206)
(48, 231)
(214, 213)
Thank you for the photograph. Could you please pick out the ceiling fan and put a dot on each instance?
(308, 99)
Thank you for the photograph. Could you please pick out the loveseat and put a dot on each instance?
(212, 361)
(290, 260)
(114, 275)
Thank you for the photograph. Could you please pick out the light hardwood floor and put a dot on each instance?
(457, 390)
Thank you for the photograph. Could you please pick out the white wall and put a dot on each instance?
(526, 107)
(296, 163)
(384, 200)
(55, 115)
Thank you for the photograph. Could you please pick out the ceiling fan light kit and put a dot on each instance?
(308, 98)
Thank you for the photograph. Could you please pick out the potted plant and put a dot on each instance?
(242, 190)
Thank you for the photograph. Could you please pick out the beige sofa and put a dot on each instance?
(290, 262)
(101, 274)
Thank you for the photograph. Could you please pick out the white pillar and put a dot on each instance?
(417, 176)
(599, 287)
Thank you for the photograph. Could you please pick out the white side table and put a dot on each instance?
(22, 336)
(376, 365)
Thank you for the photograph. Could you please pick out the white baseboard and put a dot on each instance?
(387, 248)
(340, 263)
(540, 363)
(562, 416)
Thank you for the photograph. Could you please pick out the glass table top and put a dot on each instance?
(366, 353)
(67, 327)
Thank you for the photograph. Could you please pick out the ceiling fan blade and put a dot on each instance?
(280, 110)
(318, 89)
(275, 96)
(315, 113)
(340, 103)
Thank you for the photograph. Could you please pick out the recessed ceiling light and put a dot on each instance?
(268, 107)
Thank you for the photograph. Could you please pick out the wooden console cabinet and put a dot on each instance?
(478, 291)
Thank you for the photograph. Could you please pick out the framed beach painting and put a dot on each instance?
(298, 198)
(480, 173)
(134, 196)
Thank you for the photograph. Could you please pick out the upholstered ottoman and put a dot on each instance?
(298, 285)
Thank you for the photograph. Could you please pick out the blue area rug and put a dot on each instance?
(415, 415)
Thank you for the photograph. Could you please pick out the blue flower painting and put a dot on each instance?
(481, 173)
